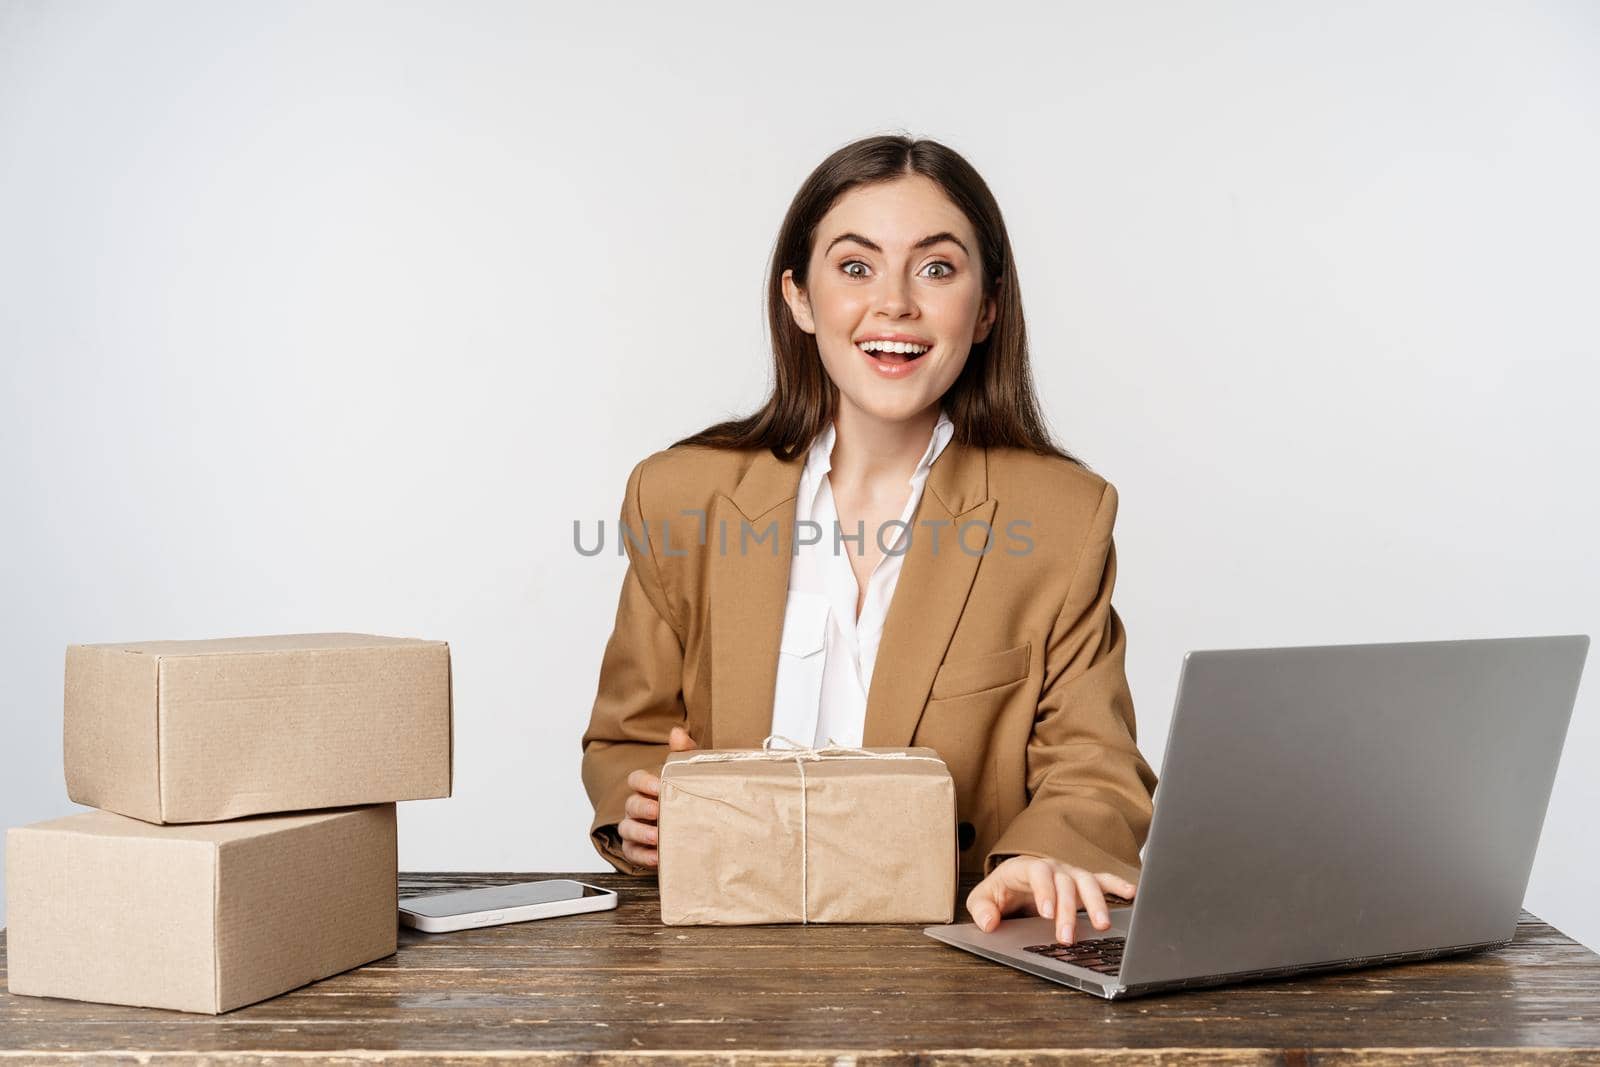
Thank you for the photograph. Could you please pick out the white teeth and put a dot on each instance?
(905, 348)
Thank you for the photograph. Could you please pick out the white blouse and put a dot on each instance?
(826, 654)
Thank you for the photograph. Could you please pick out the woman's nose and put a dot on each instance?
(894, 298)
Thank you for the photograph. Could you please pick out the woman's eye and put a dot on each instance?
(847, 264)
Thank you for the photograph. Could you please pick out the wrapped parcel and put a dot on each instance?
(825, 835)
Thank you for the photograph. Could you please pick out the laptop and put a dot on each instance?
(1325, 808)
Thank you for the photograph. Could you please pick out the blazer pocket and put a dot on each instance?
(973, 674)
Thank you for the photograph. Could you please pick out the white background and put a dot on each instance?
(336, 317)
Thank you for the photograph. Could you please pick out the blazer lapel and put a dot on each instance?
(931, 592)
(748, 589)
(750, 538)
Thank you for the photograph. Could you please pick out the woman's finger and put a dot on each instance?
(634, 830)
(987, 901)
(644, 857)
(1066, 896)
(639, 806)
(981, 906)
(1113, 883)
(642, 781)
(1042, 887)
(1094, 901)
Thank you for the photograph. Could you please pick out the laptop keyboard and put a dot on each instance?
(1102, 954)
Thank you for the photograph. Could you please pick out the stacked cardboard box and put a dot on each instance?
(245, 842)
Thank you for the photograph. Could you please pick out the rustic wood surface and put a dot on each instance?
(619, 986)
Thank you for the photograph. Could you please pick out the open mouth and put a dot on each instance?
(894, 353)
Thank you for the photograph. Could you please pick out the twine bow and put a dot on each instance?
(799, 754)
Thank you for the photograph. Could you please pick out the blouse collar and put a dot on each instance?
(819, 460)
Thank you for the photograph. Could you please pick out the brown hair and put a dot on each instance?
(991, 403)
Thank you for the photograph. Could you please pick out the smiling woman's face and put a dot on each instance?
(893, 259)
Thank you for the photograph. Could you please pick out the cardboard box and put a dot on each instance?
(812, 835)
(201, 731)
(198, 918)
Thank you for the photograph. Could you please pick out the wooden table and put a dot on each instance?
(619, 986)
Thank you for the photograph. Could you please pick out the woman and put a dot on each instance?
(772, 557)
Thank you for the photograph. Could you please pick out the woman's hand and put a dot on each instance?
(1029, 885)
(642, 808)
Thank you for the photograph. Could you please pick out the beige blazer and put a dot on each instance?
(1009, 662)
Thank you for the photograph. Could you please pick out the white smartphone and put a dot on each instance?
(459, 909)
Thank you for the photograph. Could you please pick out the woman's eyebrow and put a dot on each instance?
(931, 239)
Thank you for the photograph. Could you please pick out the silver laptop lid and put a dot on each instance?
(1335, 802)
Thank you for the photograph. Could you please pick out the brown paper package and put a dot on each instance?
(833, 838)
